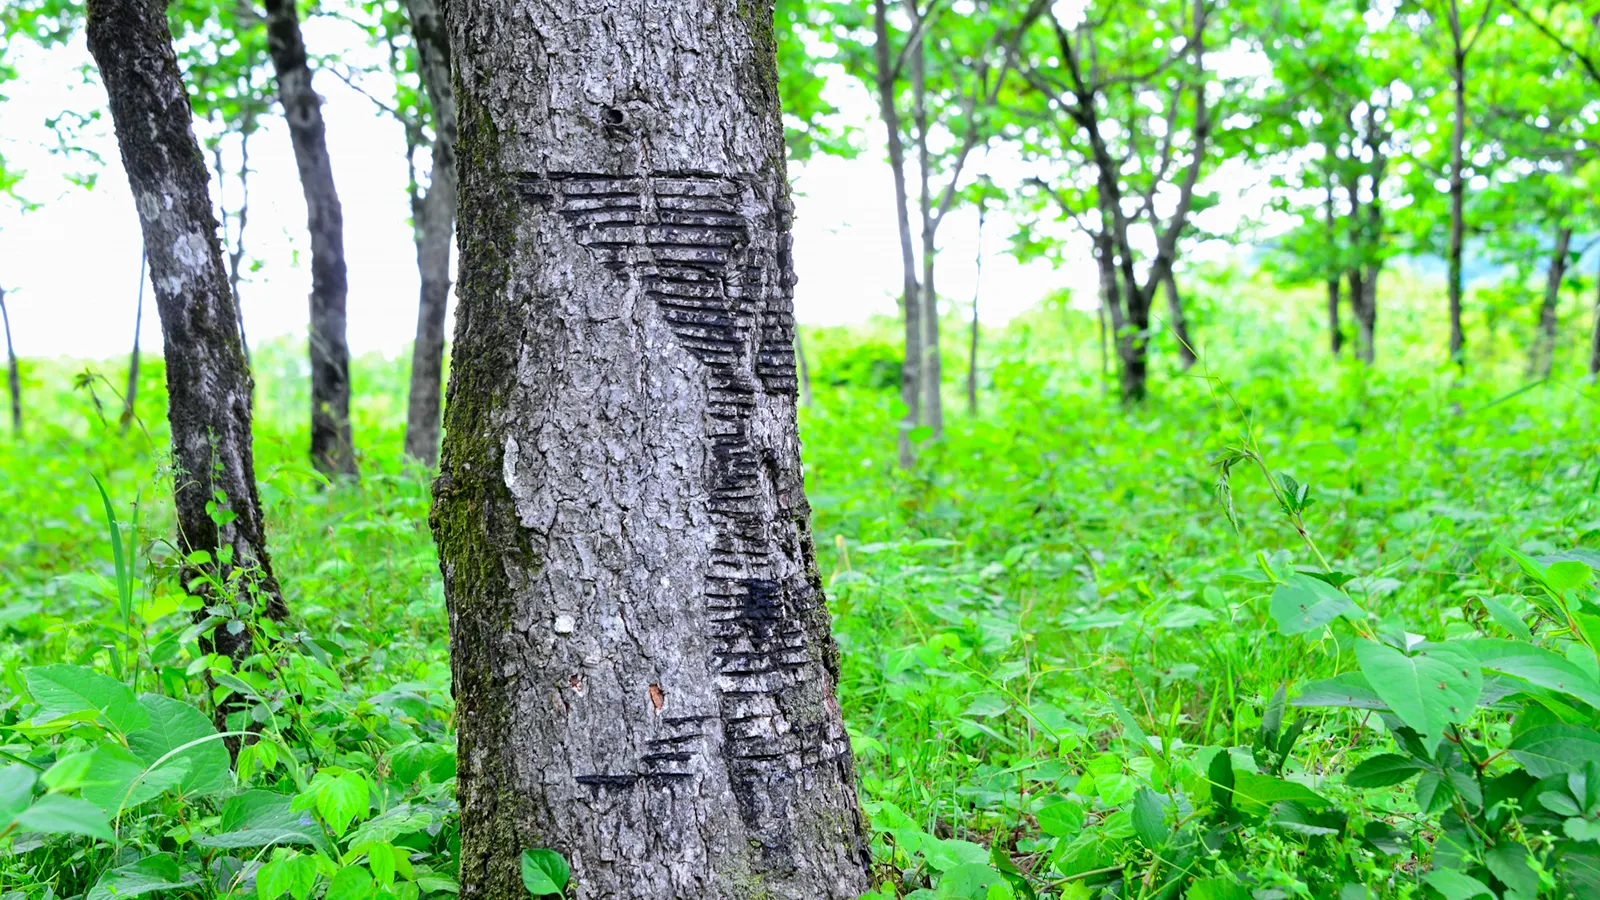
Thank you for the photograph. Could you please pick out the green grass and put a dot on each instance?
(1052, 581)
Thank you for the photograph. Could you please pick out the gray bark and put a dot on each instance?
(1335, 330)
(1458, 189)
(208, 382)
(1544, 341)
(130, 399)
(13, 373)
(641, 659)
(929, 368)
(332, 446)
(910, 302)
(434, 215)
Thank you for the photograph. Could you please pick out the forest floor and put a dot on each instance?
(1060, 655)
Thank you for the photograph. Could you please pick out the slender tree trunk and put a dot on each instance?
(1458, 189)
(1109, 301)
(805, 370)
(972, 343)
(1594, 334)
(1335, 330)
(130, 399)
(1180, 323)
(1133, 346)
(888, 106)
(13, 372)
(1363, 301)
(641, 660)
(434, 216)
(332, 446)
(208, 381)
(236, 250)
(929, 372)
(1542, 357)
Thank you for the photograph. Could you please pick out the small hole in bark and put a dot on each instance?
(658, 697)
(576, 682)
(614, 117)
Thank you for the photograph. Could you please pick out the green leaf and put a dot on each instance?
(1511, 863)
(946, 854)
(1303, 604)
(544, 872)
(1455, 885)
(153, 873)
(16, 789)
(1219, 774)
(1537, 666)
(341, 798)
(1149, 819)
(55, 814)
(1063, 819)
(262, 819)
(1217, 889)
(61, 690)
(175, 724)
(116, 780)
(1349, 690)
(1383, 770)
(1436, 686)
(350, 883)
(1255, 794)
(272, 880)
(1556, 749)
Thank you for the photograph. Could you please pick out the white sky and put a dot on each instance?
(70, 268)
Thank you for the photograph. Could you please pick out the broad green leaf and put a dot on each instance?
(1349, 690)
(1063, 819)
(946, 854)
(262, 819)
(1556, 749)
(116, 780)
(1149, 819)
(56, 814)
(1456, 885)
(16, 789)
(1383, 770)
(350, 883)
(272, 880)
(969, 880)
(62, 690)
(1537, 666)
(1303, 604)
(174, 724)
(1434, 687)
(545, 872)
(1255, 794)
(1511, 863)
(1217, 889)
(153, 873)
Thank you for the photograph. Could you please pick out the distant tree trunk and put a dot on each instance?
(910, 384)
(972, 344)
(332, 446)
(1180, 323)
(1335, 330)
(929, 372)
(13, 372)
(1542, 357)
(1106, 264)
(1594, 335)
(1363, 302)
(434, 217)
(208, 382)
(639, 641)
(1458, 189)
(805, 370)
(130, 398)
(235, 251)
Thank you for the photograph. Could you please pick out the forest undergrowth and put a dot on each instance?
(1293, 628)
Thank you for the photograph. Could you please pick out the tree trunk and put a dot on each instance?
(972, 343)
(13, 373)
(641, 660)
(805, 370)
(236, 252)
(208, 382)
(434, 216)
(1105, 262)
(1335, 330)
(1594, 335)
(1544, 342)
(1364, 303)
(888, 107)
(131, 397)
(1180, 324)
(1133, 347)
(1457, 203)
(332, 446)
(929, 371)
